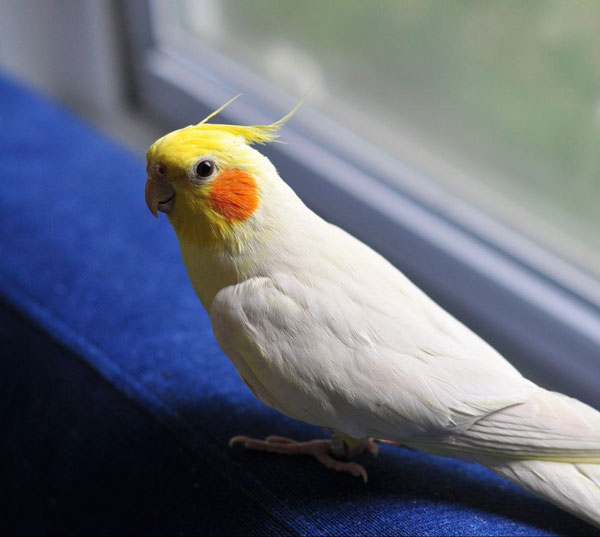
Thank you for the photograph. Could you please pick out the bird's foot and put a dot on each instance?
(371, 447)
(322, 450)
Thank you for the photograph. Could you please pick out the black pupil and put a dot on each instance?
(204, 168)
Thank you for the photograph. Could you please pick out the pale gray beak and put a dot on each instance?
(160, 195)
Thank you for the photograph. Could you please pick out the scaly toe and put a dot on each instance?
(342, 466)
(280, 439)
(237, 440)
(319, 449)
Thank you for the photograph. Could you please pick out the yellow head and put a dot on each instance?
(208, 179)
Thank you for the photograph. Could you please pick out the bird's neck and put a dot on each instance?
(212, 267)
(209, 268)
(256, 249)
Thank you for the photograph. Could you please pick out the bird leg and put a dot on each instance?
(322, 450)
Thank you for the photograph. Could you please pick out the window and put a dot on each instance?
(499, 101)
(460, 139)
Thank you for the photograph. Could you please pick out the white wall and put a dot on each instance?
(68, 48)
(74, 50)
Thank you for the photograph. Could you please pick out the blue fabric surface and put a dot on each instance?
(83, 259)
(76, 458)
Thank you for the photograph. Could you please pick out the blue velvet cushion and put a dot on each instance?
(117, 402)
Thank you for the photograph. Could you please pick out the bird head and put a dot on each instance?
(209, 179)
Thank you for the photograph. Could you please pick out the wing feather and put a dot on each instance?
(344, 340)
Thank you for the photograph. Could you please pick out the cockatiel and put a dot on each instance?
(322, 328)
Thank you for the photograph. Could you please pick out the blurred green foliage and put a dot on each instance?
(514, 83)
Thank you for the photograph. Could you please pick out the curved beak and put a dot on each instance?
(160, 196)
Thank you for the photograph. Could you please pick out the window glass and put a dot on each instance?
(499, 100)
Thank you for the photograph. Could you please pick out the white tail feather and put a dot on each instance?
(538, 444)
(572, 487)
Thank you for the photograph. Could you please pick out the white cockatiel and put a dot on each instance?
(325, 330)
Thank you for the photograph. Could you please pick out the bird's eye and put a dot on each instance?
(205, 168)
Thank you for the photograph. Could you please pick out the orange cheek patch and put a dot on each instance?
(234, 195)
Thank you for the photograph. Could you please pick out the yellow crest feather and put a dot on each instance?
(252, 134)
(180, 149)
(220, 109)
